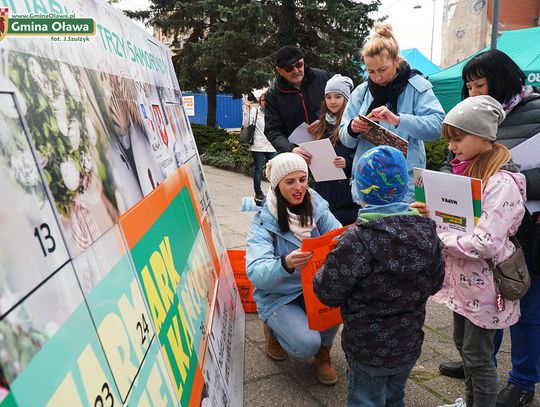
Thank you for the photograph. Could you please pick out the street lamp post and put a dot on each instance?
(495, 25)
(432, 32)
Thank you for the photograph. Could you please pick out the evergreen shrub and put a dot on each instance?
(436, 152)
(221, 149)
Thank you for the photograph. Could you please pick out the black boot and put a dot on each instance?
(259, 199)
(452, 369)
(513, 396)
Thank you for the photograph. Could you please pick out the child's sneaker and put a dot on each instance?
(458, 403)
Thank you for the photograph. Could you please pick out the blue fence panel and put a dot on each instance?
(228, 110)
(200, 107)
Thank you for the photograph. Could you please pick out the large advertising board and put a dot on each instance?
(112, 289)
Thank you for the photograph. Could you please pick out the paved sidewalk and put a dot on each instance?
(292, 383)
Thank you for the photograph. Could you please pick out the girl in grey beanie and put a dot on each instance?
(470, 290)
(337, 193)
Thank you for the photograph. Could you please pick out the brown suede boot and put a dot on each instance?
(273, 348)
(326, 374)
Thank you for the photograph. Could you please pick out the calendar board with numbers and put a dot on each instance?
(115, 286)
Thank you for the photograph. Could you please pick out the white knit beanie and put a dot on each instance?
(478, 115)
(339, 84)
(282, 165)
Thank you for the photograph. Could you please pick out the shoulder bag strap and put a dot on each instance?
(517, 245)
(256, 113)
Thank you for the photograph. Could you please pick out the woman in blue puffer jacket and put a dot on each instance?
(292, 212)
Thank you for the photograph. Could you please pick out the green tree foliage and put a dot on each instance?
(228, 45)
(331, 32)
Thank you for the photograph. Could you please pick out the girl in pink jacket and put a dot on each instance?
(468, 289)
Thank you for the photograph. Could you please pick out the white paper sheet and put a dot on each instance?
(322, 156)
(449, 200)
(527, 154)
(300, 135)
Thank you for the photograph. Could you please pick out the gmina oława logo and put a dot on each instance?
(51, 24)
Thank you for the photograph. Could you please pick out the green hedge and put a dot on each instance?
(221, 149)
(436, 152)
(206, 135)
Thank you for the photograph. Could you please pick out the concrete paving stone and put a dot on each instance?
(277, 390)
(331, 396)
(419, 396)
(504, 363)
(304, 373)
(233, 241)
(426, 374)
(239, 222)
(437, 315)
(303, 370)
(300, 371)
(445, 389)
(257, 364)
(233, 223)
(447, 330)
(440, 344)
(427, 366)
(254, 329)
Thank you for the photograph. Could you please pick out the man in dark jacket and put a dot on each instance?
(294, 97)
(381, 273)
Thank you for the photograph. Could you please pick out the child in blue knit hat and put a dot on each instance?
(381, 273)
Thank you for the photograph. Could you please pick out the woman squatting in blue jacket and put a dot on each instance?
(291, 213)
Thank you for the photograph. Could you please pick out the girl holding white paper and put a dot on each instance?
(495, 74)
(337, 193)
(469, 289)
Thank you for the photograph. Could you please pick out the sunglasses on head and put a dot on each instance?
(297, 65)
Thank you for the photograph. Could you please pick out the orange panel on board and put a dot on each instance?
(157, 201)
(136, 222)
(172, 185)
(196, 390)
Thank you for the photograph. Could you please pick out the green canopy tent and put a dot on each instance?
(523, 46)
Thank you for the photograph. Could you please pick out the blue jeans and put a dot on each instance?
(376, 386)
(258, 164)
(525, 339)
(290, 327)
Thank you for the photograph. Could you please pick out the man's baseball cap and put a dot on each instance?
(288, 55)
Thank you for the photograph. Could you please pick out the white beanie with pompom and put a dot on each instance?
(282, 165)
